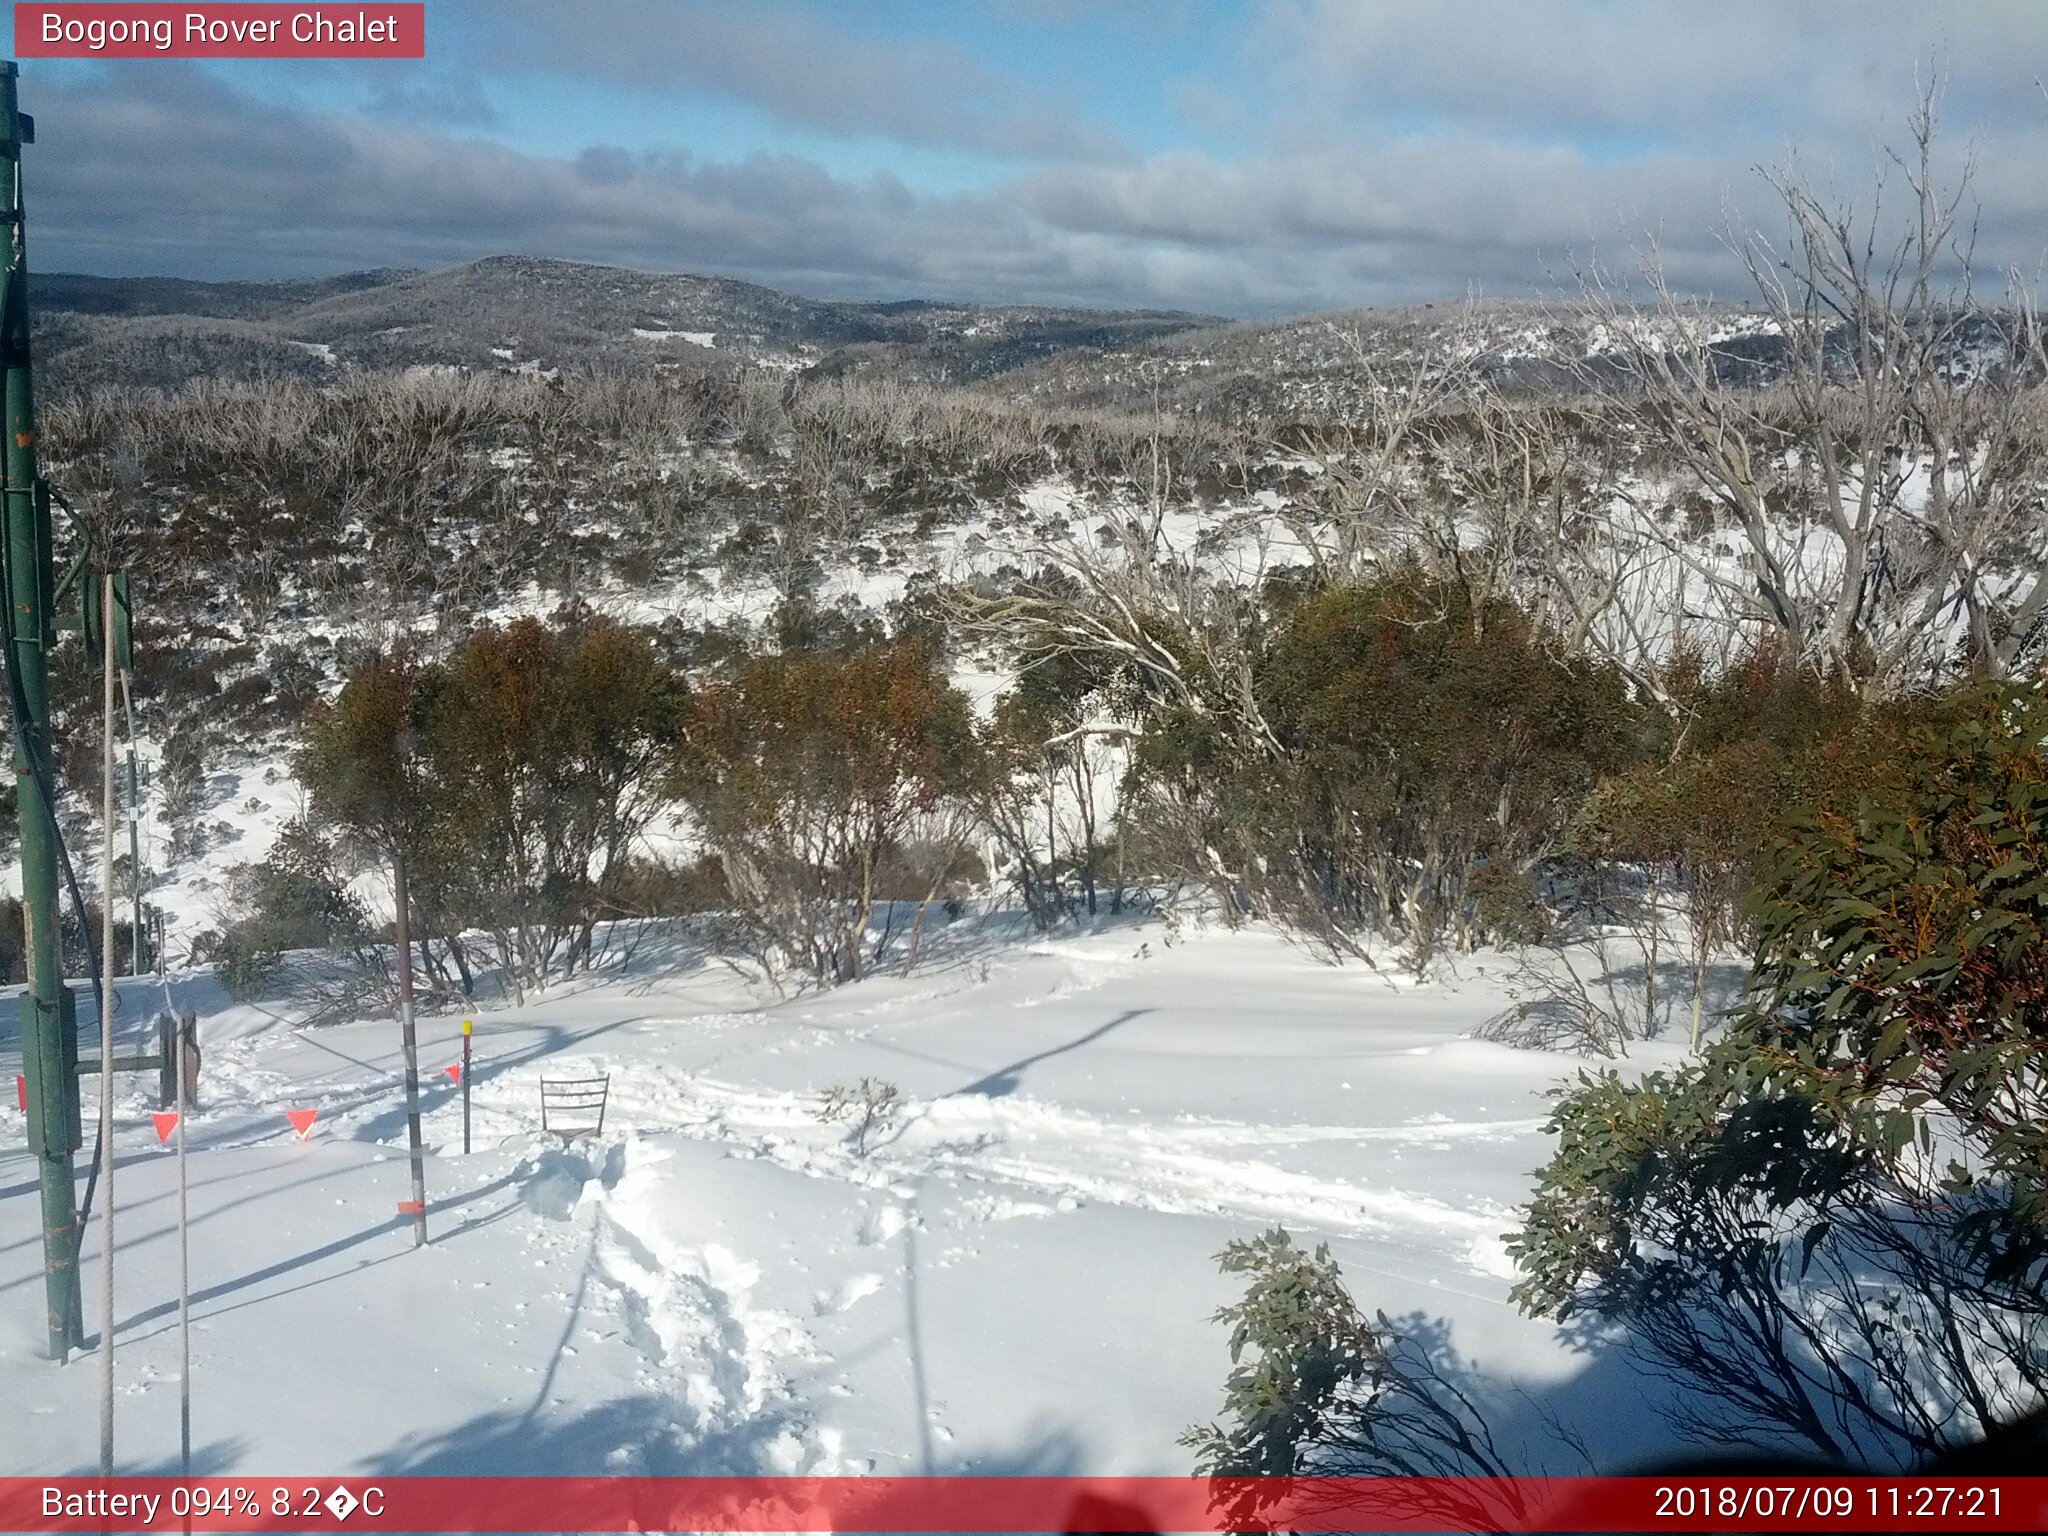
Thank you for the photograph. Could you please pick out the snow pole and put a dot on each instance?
(184, 1276)
(107, 1021)
(467, 1026)
(135, 941)
(403, 926)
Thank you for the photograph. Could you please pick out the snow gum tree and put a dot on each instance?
(515, 777)
(368, 779)
(1687, 828)
(548, 742)
(807, 771)
(1884, 490)
(1424, 742)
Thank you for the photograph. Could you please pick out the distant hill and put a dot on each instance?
(1325, 366)
(532, 314)
(526, 312)
(85, 295)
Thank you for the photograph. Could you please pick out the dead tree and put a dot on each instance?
(1882, 476)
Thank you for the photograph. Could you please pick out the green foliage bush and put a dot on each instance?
(1297, 1340)
(1318, 1389)
(295, 899)
(1830, 1228)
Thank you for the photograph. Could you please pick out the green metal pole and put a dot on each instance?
(136, 967)
(49, 1053)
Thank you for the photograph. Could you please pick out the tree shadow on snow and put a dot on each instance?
(1006, 1080)
(1610, 1417)
(645, 1435)
(217, 1458)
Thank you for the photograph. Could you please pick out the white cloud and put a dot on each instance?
(1394, 152)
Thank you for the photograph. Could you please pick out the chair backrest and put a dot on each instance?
(567, 1103)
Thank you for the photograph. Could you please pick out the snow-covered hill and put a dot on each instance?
(508, 311)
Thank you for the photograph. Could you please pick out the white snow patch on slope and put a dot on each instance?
(694, 338)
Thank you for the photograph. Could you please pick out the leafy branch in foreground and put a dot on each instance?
(1318, 1389)
(1831, 1229)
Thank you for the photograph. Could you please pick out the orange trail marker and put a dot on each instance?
(21, 1091)
(411, 1207)
(453, 1073)
(302, 1120)
(166, 1122)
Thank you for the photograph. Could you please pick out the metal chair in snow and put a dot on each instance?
(567, 1103)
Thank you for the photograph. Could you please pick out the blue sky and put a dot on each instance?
(1256, 157)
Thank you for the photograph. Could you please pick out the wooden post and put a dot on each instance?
(467, 1026)
(412, 1049)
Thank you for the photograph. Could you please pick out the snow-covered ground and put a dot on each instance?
(1017, 1276)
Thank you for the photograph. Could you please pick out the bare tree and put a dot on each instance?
(1884, 488)
(1370, 501)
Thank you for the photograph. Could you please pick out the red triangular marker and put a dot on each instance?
(302, 1120)
(454, 1073)
(166, 1122)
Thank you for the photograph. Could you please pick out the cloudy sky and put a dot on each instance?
(1246, 157)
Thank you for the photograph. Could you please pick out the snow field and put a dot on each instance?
(1017, 1276)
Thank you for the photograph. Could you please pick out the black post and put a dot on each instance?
(188, 1070)
(167, 1060)
(467, 1026)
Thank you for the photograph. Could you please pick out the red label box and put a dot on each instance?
(1845, 1503)
(101, 30)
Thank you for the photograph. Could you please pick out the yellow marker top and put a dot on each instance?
(466, 1024)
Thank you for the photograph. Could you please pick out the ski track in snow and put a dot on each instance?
(1175, 1169)
(1064, 1155)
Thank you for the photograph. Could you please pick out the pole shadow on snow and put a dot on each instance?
(328, 1250)
(29, 1186)
(167, 1229)
(546, 1388)
(1005, 1081)
(310, 1036)
(217, 1458)
(913, 1334)
(270, 1192)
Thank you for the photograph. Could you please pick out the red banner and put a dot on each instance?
(220, 31)
(1027, 1504)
